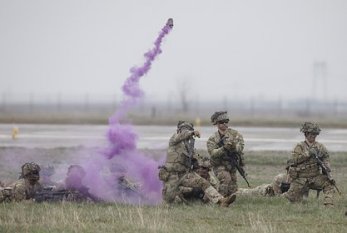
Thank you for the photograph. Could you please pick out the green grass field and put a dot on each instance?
(247, 214)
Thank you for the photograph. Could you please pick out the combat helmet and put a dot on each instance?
(185, 125)
(31, 171)
(309, 127)
(219, 116)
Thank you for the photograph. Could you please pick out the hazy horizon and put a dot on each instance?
(217, 50)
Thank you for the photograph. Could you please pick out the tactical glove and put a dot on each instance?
(196, 133)
(229, 147)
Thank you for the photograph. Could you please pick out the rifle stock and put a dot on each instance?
(49, 195)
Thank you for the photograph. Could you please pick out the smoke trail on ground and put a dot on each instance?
(121, 158)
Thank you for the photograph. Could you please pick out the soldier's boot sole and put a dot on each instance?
(329, 205)
(226, 201)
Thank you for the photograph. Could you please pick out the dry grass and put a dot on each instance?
(247, 214)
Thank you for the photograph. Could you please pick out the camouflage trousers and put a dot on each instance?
(261, 190)
(227, 180)
(299, 186)
(177, 186)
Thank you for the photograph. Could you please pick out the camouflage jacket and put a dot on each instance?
(23, 190)
(177, 159)
(303, 164)
(219, 156)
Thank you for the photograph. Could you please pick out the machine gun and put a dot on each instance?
(234, 159)
(325, 170)
(47, 194)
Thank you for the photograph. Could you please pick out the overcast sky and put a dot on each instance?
(218, 48)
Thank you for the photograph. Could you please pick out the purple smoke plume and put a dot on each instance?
(131, 89)
(121, 158)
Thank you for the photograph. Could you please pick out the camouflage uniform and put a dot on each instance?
(122, 185)
(278, 181)
(261, 190)
(74, 184)
(221, 165)
(26, 187)
(177, 175)
(5, 194)
(268, 190)
(304, 169)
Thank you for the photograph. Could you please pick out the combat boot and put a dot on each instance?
(226, 201)
(329, 205)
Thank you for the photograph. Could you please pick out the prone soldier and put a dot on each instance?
(74, 187)
(24, 188)
(279, 185)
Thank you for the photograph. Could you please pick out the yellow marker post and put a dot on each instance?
(15, 132)
(197, 123)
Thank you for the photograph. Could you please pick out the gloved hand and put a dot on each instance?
(229, 147)
(312, 151)
(196, 133)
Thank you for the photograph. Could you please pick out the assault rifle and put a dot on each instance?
(234, 159)
(47, 194)
(189, 144)
(326, 171)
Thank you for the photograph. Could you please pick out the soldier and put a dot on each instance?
(304, 169)
(26, 187)
(73, 184)
(221, 146)
(177, 174)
